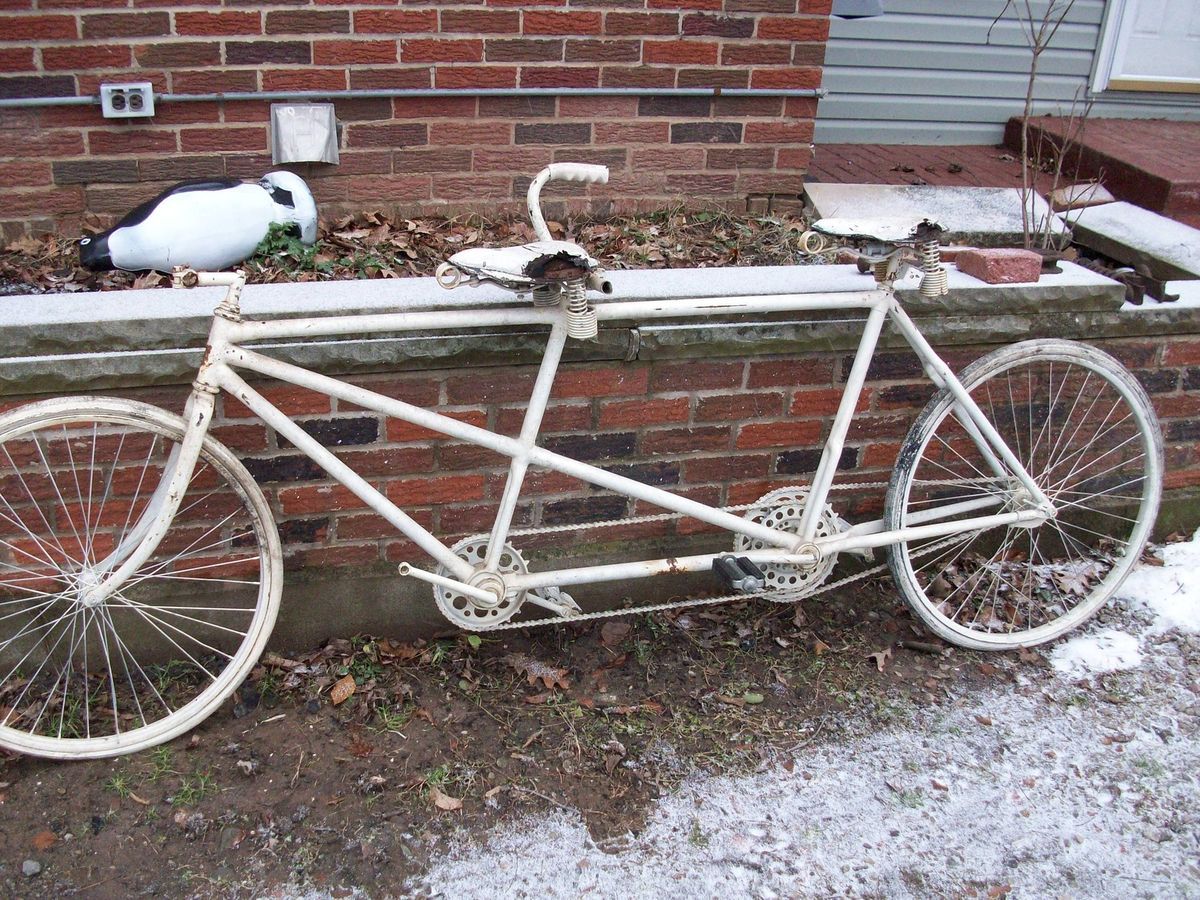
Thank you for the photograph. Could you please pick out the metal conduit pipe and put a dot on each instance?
(20, 102)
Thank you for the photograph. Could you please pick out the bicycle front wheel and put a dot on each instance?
(85, 679)
(1084, 429)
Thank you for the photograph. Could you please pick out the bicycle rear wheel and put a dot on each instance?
(80, 679)
(1084, 429)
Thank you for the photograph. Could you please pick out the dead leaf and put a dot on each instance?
(275, 661)
(613, 633)
(444, 801)
(44, 840)
(881, 657)
(535, 670)
(818, 647)
(342, 690)
(982, 719)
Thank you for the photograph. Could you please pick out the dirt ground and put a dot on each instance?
(284, 790)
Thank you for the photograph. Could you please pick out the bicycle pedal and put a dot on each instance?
(739, 574)
(555, 600)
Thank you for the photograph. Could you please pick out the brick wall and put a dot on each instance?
(723, 431)
(58, 163)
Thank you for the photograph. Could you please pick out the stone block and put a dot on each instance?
(999, 266)
(1078, 196)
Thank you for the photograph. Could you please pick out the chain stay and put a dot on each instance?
(776, 596)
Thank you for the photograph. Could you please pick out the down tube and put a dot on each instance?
(231, 382)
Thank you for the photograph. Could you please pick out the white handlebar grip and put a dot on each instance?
(584, 172)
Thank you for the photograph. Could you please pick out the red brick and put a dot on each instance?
(549, 22)
(405, 161)
(557, 417)
(697, 376)
(304, 79)
(685, 4)
(207, 82)
(290, 400)
(792, 28)
(511, 159)
(637, 76)
(598, 107)
(1170, 406)
(559, 76)
(426, 491)
(365, 527)
(1181, 353)
(217, 23)
(478, 21)
(604, 51)
(393, 136)
(1001, 265)
(391, 77)
(243, 438)
(88, 56)
(702, 52)
(641, 23)
(741, 158)
(196, 140)
(447, 187)
(434, 107)
(355, 555)
(468, 134)
(27, 204)
(317, 499)
(391, 21)
(308, 21)
(791, 77)
(779, 434)
(130, 141)
(740, 406)
(26, 173)
(663, 158)
(654, 411)
(442, 51)
(823, 403)
(522, 50)
(17, 59)
(178, 54)
(110, 25)
(401, 431)
(784, 372)
(718, 26)
(726, 467)
(353, 53)
(476, 76)
(38, 28)
(398, 187)
(756, 54)
(388, 461)
(684, 440)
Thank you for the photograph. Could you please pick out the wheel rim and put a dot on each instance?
(81, 677)
(1083, 429)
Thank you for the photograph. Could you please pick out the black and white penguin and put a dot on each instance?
(206, 224)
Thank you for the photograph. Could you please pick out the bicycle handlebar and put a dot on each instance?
(588, 174)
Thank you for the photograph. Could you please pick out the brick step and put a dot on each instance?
(1150, 162)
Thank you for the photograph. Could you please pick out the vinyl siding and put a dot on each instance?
(927, 72)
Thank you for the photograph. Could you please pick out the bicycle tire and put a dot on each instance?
(1085, 430)
(83, 679)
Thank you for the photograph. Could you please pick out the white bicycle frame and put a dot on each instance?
(227, 356)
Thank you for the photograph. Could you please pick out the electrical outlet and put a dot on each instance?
(127, 101)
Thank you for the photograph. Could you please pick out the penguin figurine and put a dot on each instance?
(205, 224)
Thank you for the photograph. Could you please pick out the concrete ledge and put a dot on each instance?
(130, 338)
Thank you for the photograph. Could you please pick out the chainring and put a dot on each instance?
(466, 612)
(783, 509)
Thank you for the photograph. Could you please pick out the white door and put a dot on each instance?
(1150, 45)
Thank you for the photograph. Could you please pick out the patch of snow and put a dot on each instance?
(1170, 592)
(1103, 651)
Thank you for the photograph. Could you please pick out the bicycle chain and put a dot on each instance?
(779, 597)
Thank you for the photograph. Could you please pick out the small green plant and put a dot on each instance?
(192, 790)
(912, 799)
(283, 248)
(697, 837)
(393, 719)
(119, 784)
(160, 763)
